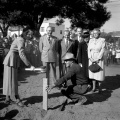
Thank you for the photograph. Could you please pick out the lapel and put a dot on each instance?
(51, 42)
(70, 43)
(46, 42)
(63, 44)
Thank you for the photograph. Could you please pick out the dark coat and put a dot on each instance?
(83, 56)
(75, 73)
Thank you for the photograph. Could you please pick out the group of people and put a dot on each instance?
(74, 54)
(112, 54)
(85, 49)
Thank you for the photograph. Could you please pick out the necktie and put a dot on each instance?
(49, 40)
(67, 42)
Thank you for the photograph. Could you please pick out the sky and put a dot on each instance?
(113, 24)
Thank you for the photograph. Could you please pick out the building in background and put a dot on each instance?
(58, 31)
(15, 30)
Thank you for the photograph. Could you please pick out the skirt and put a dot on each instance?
(10, 82)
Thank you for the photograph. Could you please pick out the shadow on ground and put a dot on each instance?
(33, 100)
(53, 95)
(22, 75)
(37, 99)
(10, 115)
(111, 83)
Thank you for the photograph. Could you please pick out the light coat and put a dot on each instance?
(96, 50)
(16, 52)
(48, 50)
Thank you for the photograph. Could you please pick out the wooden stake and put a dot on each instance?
(45, 94)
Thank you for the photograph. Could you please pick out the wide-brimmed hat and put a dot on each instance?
(68, 56)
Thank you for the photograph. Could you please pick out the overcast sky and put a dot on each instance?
(114, 23)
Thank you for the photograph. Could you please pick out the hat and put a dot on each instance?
(69, 56)
(26, 28)
(85, 34)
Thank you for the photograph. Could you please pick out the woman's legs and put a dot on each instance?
(94, 85)
(99, 87)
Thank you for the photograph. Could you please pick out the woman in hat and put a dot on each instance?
(11, 64)
(83, 52)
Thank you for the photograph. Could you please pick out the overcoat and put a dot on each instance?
(96, 50)
(83, 56)
(11, 64)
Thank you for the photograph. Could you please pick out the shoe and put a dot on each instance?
(81, 102)
(7, 101)
(43, 69)
(99, 91)
(91, 92)
(62, 107)
(19, 103)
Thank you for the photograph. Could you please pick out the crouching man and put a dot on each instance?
(79, 84)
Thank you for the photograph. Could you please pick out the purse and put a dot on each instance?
(94, 67)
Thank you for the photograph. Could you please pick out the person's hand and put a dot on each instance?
(97, 61)
(92, 60)
(32, 68)
(80, 64)
(49, 88)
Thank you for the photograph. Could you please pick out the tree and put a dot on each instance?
(90, 14)
(82, 13)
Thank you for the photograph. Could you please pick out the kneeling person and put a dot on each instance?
(79, 84)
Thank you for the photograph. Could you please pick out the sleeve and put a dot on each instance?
(59, 46)
(56, 45)
(75, 48)
(80, 53)
(102, 49)
(21, 51)
(41, 44)
(89, 52)
(66, 77)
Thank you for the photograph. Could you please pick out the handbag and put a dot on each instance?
(94, 67)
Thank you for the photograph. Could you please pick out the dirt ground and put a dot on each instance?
(105, 106)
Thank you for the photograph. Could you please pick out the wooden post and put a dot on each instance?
(45, 94)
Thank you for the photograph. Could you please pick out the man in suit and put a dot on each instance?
(48, 48)
(64, 45)
(78, 37)
(74, 92)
